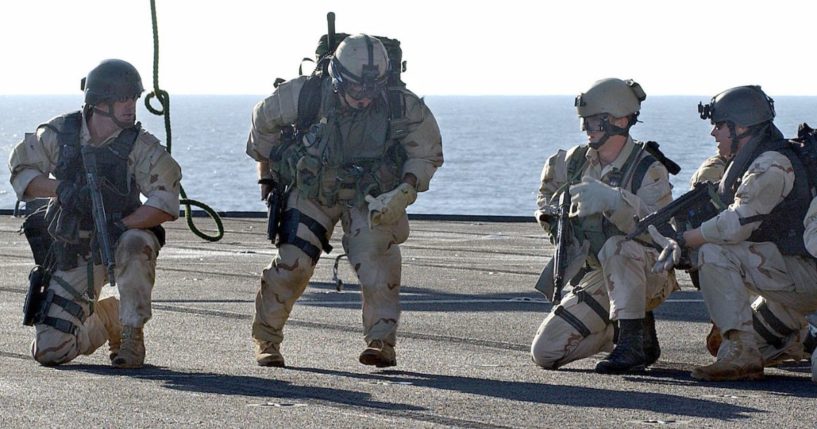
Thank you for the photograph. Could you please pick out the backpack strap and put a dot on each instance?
(309, 101)
(654, 154)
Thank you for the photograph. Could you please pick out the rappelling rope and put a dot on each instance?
(164, 100)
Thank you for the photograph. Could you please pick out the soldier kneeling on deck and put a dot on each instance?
(611, 179)
(101, 145)
(755, 247)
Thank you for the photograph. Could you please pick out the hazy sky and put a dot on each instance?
(452, 47)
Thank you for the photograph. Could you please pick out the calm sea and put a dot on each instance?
(494, 146)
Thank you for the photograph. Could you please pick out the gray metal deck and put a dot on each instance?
(470, 313)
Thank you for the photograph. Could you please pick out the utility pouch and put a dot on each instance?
(308, 173)
(35, 229)
(35, 297)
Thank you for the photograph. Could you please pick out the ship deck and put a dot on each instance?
(469, 314)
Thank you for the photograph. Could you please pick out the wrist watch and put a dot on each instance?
(679, 238)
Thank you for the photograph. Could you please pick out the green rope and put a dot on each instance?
(164, 100)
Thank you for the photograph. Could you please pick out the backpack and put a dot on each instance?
(309, 100)
(805, 147)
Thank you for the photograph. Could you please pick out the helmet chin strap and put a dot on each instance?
(610, 130)
(733, 135)
(109, 113)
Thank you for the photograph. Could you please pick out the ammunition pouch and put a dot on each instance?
(35, 229)
(40, 298)
(33, 307)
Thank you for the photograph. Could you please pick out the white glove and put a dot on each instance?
(592, 196)
(670, 255)
(388, 207)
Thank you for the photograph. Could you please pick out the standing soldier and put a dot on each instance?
(70, 319)
(756, 245)
(361, 160)
(611, 179)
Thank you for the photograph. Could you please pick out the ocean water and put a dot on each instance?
(494, 146)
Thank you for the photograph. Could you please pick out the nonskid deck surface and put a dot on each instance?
(469, 314)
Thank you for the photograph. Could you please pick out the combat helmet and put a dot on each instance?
(359, 67)
(743, 106)
(607, 99)
(111, 80)
(616, 97)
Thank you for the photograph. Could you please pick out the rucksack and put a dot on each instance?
(805, 146)
(309, 99)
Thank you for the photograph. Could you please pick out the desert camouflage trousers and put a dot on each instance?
(783, 288)
(135, 253)
(623, 288)
(373, 253)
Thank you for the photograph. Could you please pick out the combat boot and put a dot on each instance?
(714, 340)
(742, 361)
(628, 355)
(268, 353)
(652, 350)
(132, 351)
(379, 354)
(107, 310)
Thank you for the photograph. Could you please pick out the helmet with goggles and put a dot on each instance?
(607, 99)
(360, 67)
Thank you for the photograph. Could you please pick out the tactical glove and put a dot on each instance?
(592, 196)
(387, 208)
(73, 198)
(670, 255)
(544, 219)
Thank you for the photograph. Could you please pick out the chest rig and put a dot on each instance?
(783, 226)
(120, 194)
(339, 155)
(596, 228)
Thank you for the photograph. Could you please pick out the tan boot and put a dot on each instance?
(379, 354)
(268, 354)
(742, 362)
(108, 311)
(132, 352)
(714, 340)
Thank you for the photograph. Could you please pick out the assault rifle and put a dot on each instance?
(103, 239)
(689, 210)
(564, 235)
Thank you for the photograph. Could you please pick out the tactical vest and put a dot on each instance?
(783, 226)
(344, 154)
(597, 229)
(120, 194)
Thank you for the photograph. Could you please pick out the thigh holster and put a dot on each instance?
(575, 322)
(289, 233)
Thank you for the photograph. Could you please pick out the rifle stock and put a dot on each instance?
(101, 235)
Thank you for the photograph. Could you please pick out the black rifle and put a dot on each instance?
(276, 201)
(564, 236)
(103, 239)
(689, 211)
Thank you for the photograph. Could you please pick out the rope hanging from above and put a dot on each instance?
(164, 100)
